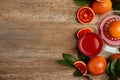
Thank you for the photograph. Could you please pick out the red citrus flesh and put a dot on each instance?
(104, 33)
(90, 44)
(81, 66)
(85, 15)
(83, 31)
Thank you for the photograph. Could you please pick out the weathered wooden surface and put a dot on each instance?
(33, 35)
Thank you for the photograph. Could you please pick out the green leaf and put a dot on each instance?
(64, 62)
(77, 73)
(112, 78)
(116, 4)
(108, 69)
(69, 58)
(83, 57)
(88, 77)
(81, 2)
(117, 68)
(112, 67)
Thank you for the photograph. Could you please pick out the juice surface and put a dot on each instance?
(90, 44)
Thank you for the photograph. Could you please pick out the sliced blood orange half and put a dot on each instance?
(83, 31)
(85, 15)
(81, 66)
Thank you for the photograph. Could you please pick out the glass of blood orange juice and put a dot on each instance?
(90, 44)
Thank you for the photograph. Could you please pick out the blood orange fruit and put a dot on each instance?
(97, 65)
(83, 31)
(114, 56)
(85, 15)
(101, 7)
(81, 66)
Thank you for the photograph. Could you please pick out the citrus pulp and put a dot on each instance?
(81, 66)
(83, 31)
(85, 15)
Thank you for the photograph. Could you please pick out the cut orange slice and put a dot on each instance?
(83, 31)
(81, 66)
(85, 15)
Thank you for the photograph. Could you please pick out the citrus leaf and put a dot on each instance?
(83, 57)
(116, 4)
(69, 58)
(88, 77)
(112, 78)
(117, 68)
(64, 63)
(81, 2)
(77, 73)
(112, 66)
(108, 69)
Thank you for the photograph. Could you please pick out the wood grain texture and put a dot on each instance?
(33, 35)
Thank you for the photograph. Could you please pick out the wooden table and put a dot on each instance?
(33, 35)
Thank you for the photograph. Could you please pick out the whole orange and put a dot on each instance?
(114, 29)
(114, 56)
(97, 65)
(101, 7)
